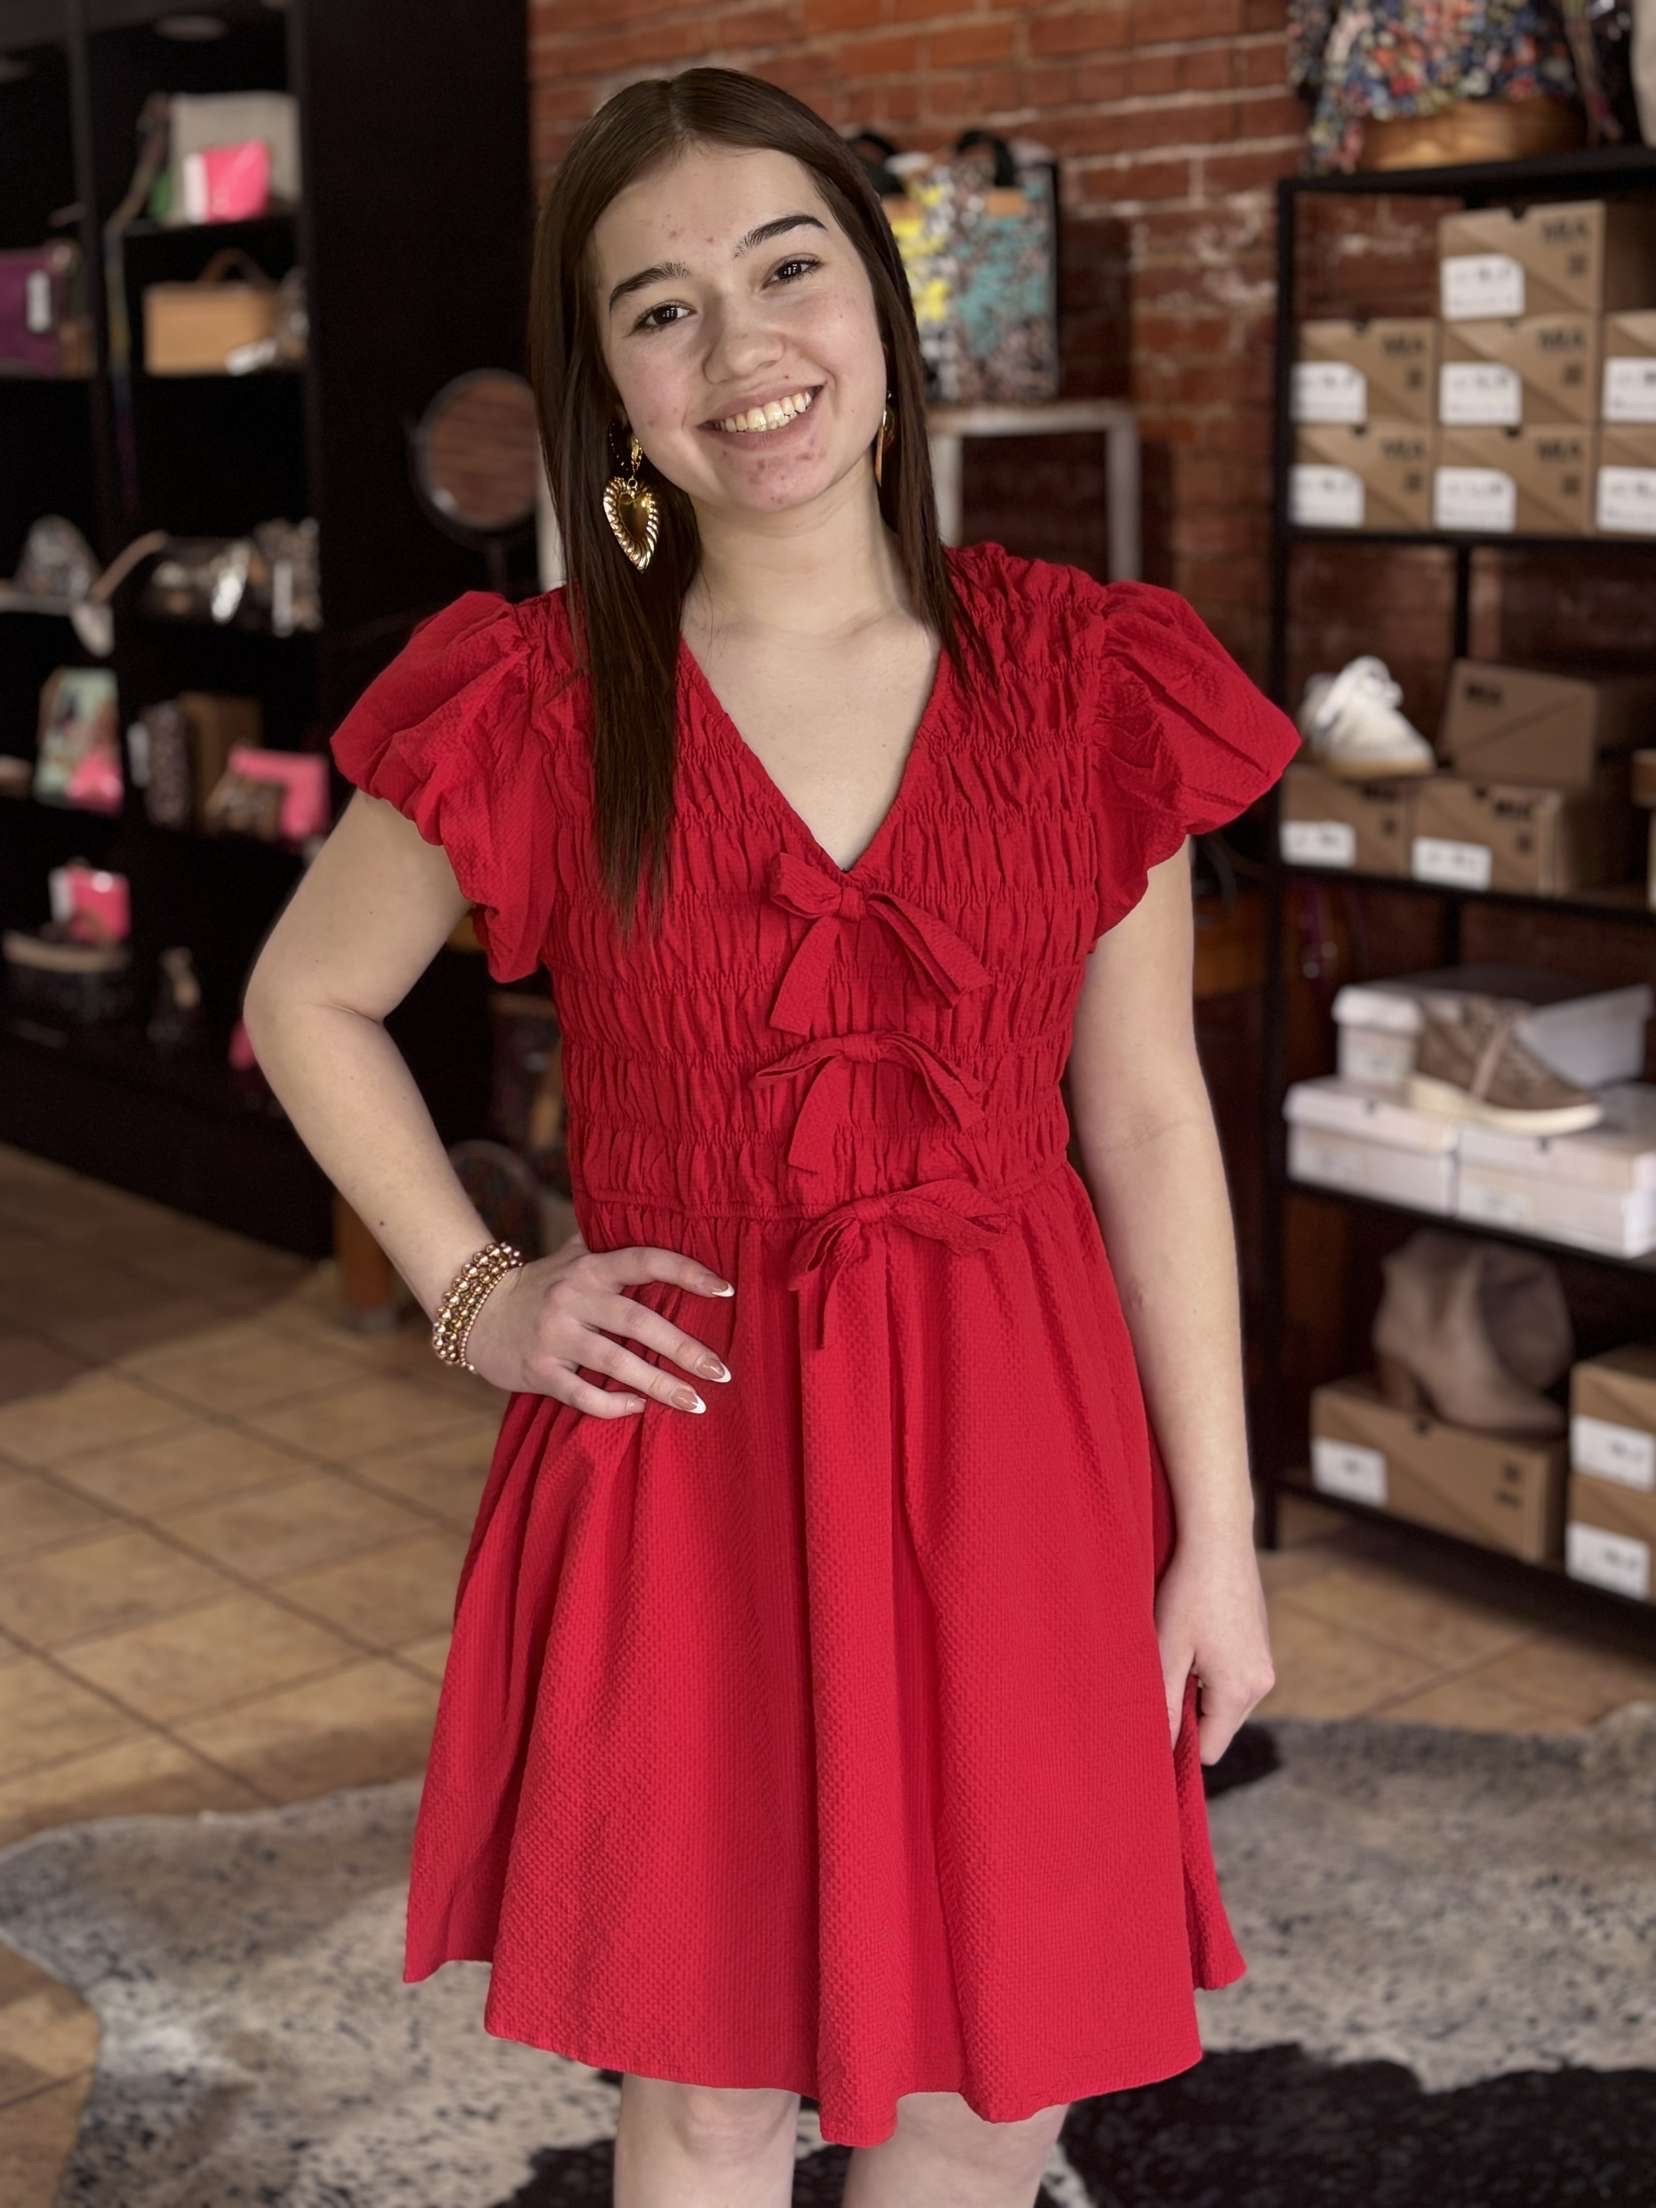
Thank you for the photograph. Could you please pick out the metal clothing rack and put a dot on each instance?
(1278, 1434)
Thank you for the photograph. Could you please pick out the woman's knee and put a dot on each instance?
(713, 2119)
(948, 2125)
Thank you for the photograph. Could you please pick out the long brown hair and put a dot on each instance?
(626, 622)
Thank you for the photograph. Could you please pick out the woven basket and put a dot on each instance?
(1472, 130)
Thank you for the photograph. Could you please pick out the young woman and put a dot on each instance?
(821, 1715)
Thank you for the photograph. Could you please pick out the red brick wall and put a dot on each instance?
(1170, 121)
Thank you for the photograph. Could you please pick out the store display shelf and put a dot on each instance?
(1457, 1224)
(179, 1131)
(1302, 532)
(1591, 169)
(1625, 901)
(1588, 1595)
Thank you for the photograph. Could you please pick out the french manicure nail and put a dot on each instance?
(687, 1399)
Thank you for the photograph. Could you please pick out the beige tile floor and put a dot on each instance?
(230, 1528)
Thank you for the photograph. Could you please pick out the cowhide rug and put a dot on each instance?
(1451, 1994)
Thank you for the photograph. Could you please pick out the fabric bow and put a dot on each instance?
(949, 1210)
(811, 1145)
(936, 951)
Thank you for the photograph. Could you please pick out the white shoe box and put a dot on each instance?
(1342, 1135)
(1596, 1219)
(1595, 1190)
(1585, 1034)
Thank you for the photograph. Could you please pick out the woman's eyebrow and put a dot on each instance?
(660, 272)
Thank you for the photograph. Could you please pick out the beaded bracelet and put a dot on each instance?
(451, 1328)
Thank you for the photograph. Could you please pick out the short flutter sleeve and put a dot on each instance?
(1180, 739)
(446, 733)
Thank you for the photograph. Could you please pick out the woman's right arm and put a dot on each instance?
(370, 913)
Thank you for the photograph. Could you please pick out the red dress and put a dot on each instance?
(819, 1741)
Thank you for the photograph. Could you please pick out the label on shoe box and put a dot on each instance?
(1325, 497)
(1614, 1560)
(1348, 1468)
(1474, 498)
(1629, 393)
(1320, 842)
(1478, 392)
(1613, 1452)
(1445, 859)
(1473, 287)
(1626, 500)
(1329, 391)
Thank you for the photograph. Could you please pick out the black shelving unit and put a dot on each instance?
(1279, 1425)
(413, 232)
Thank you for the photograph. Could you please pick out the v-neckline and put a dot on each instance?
(913, 765)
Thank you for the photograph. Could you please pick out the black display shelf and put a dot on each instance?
(1625, 901)
(1277, 1428)
(417, 190)
(1468, 540)
(1583, 1599)
(1422, 1214)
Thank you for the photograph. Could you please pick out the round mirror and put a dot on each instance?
(477, 453)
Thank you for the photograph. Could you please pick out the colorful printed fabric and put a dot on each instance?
(1384, 58)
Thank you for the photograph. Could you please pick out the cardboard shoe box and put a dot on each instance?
(1520, 835)
(1624, 490)
(1610, 1530)
(1522, 724)
(1537, 369)
(1376, 476)
(1584, 256)
(1526, 482)
(1502, 1491)
(1355, 372)
(1627, 380)
(1327, 821)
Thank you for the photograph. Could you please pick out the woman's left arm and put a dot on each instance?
(1150, 1156)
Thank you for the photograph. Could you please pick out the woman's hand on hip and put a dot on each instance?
(541, 1321)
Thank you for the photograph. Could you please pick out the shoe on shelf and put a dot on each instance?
(1473, 1330)
(1470, 1063)
(1354, 728)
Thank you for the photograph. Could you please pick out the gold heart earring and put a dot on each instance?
(888, 427)
(631, 509)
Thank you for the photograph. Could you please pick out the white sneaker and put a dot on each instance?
(1354, 729)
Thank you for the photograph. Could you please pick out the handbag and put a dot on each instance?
(281, 796)
(191, 329)
(45, 329)
(977, 229)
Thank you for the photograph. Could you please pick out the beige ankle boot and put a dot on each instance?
(1473, 1330)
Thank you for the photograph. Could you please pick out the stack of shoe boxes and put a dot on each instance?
(1528, 405)
(1535, 794)
(1534, 301)
(1378, 1127)
(1611, 1526)
(1533, 786)
(1362, 400)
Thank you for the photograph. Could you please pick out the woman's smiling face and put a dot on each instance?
(723, 282)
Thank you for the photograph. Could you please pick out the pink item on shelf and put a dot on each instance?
(93, 894)
(227, 183)
(304, 776)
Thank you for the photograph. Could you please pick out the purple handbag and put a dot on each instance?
(44, 329)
